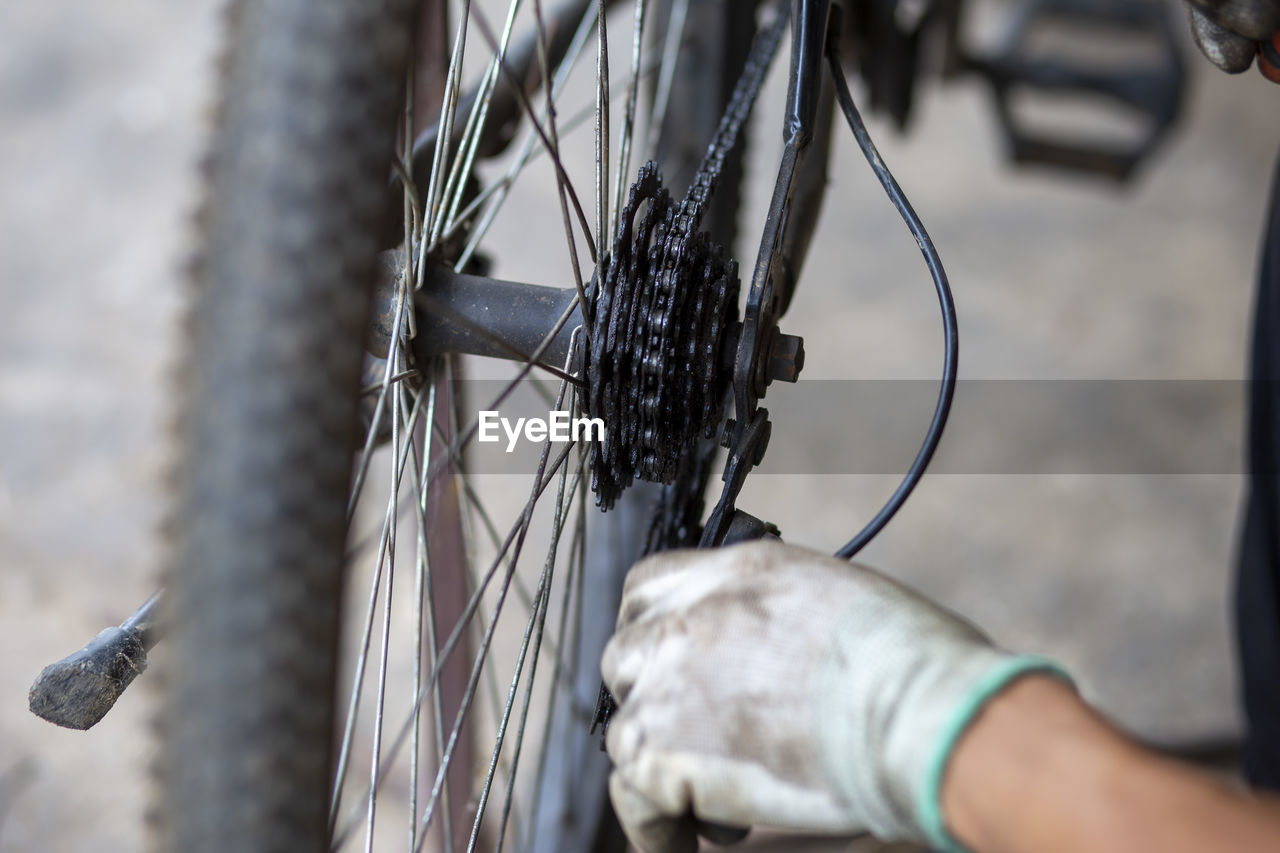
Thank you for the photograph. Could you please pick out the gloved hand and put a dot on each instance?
(1228, 32)
(768, 684)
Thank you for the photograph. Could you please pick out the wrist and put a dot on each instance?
(999, 789)
(970, 709)
(892, 695)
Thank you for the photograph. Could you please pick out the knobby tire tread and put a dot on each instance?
(295, 181)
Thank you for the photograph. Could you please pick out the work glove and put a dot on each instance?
(1231, 32)
(769, 684)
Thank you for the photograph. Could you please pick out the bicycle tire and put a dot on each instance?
(309, 94)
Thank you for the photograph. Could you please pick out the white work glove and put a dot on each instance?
(769, 684)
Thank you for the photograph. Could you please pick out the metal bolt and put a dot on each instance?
(786, 358)
(726, 437)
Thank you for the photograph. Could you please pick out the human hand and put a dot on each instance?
(1230, 32)
(768, 684)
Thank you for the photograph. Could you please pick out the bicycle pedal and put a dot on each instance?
(1109, 73)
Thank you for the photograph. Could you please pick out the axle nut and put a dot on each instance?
(786, 358)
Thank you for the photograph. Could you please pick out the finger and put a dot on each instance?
(1230, 52)
(658, 644)
(1256, 20)
(652, 579)
(647, 826)
(672, 581)
(665, 563)
(705, 791)
(721, 834)
(621, 664)
(658, 567)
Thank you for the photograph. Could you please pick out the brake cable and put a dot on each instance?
(815, 25)
(951, 337)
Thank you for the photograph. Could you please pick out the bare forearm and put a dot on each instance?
(1039, 771)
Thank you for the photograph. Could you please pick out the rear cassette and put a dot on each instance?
(657, 382)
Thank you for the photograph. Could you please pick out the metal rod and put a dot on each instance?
(146, 621)
(489, 317)
(77, 691)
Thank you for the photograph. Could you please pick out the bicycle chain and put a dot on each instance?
(665, 298)
(657, 266)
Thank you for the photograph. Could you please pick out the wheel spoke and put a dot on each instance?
(447, 216)
(545, 589)
(353, 706)
(385, 646)
(602, 133)
(411, 373)
(546, 472)
(371, 437)
(521, 529)
(424, 625)
(667, 76)
(550, 140)
(562, 179)
(537, 617)
(537, 620)
(629, 117)
(560, 673)
(476, 124)
(528, 151)
(457, 445)
(499, 188)
(448, 111)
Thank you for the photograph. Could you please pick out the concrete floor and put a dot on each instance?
(1122, 573)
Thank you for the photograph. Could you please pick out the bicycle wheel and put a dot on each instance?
(262, 736)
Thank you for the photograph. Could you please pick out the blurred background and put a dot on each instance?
(1124, 577)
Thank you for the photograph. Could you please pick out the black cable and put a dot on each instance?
(945, 302)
